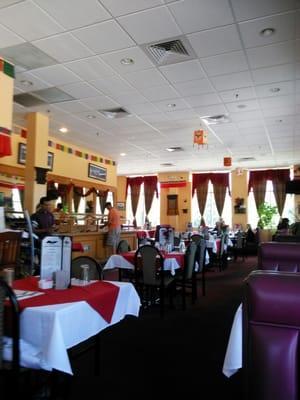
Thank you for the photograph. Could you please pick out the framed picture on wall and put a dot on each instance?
(97, 172)
(50, 160)
(22, 153)
(121, 205)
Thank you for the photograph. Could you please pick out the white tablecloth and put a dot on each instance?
(233, 358)
(48, 331)
(117, 261)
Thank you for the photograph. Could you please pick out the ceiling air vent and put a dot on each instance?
(170, 52)
(114, 113)
(172, 149)
(245, 159)
(27, 100)
(167, 164)
(216, 119)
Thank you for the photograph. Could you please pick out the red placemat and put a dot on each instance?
(102, 296)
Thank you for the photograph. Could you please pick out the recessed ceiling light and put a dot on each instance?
(267, 32)
(275, 89)
(127, 61)
(174, 148)
(241, 106)
(90, 116)
(171, 105)
(122, 154)
(170, 149)
(25, 82)
(63, 130)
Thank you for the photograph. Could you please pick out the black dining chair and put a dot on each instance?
(95, 270)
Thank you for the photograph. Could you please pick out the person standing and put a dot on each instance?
(114, 227)
(43, 220)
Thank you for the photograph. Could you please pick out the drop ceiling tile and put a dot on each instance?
(130, 98)
(80, 90)
(145, 78)
(182, 72)
(180, 104)
(112, 85)
(27, 82)
(8, 38)
(225, 63)
(244, 9)
(277, 73)
(141, 61)
(63, 47)
(287, 87)
(279, 101)
(232, 81)
(5, 3)
(215, 41)
(284, 25)
(99, 102)
(182, 114)
(114, 37)
(118, 8)
(157, 93)
(278, 112)
(55, 75)
(203, 100)
(29, 21)
(196, 15)
(145, 108)
(75, 13)
(215, 109)
(238, 94)
(245, 116)
(239, 106)
(90, 69)
(74, 106)
(150, 25)
(265, 56)
(196, 87)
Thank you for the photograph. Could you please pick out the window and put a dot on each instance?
(16, 200)
(154, 214)
(210, 212)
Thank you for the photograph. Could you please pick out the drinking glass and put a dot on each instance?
(85, 273)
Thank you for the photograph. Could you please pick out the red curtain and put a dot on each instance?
(102, 194)
(200, 184)
(135, 184)
(150, 188)
(279, 179)
(220, 183)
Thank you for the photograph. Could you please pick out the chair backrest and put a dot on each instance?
(271, 328)
(196, 238)
(123, 247)
(176, 241)
(279, 256)
(149, 261)
(224, 240)
(95, 271)
(10, 249)
(240, 240)
(13, 323)
(189, 260)
(200, 254)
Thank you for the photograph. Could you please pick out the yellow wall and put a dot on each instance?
(6, 100)
(239, 188)
(179, 222)
(121, 194)
(67, 165)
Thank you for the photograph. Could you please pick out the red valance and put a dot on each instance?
(12, 185)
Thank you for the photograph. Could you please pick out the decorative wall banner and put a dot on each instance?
(200, 137)
(173, 184)
(7, 68)
(23, 133)
(5, 142)
(227, 162)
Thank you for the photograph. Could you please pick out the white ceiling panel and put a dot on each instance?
(112, 37)
(225, 63)
(55, 75)
(29, 21)
(80, 90)
(178, 104)
(99, 103)
(90, 69)
(150, 25)
(265, 56)
(215, 109)
(73, 106)
(75, 13)
(142, 109)
(8, 38)
(63, 47)
(277, 73)
(118, 8)
(139, 58)
(112, 85)
(182, 72)
(244, 9)
(27, 82)
(196, 15)
(130, 98)
(278, 89)
(203, 100)
(215, 41)
(145, 78)
(238, 94)
(238, 106)
(232, 81)
(157, 93)
(191, 88)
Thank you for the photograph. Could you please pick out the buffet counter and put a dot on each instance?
(93, 243)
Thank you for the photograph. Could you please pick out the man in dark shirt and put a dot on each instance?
(43, 219)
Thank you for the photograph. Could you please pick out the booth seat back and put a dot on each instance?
(271, 327)
(279, 256)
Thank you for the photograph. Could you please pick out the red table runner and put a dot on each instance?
(102, 296)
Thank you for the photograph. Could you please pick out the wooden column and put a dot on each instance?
(36, 157)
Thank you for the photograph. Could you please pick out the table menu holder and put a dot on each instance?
(56, 256)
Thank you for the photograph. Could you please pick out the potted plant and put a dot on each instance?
(266, 213)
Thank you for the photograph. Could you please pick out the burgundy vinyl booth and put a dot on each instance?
(279, 256)
(271, 327)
